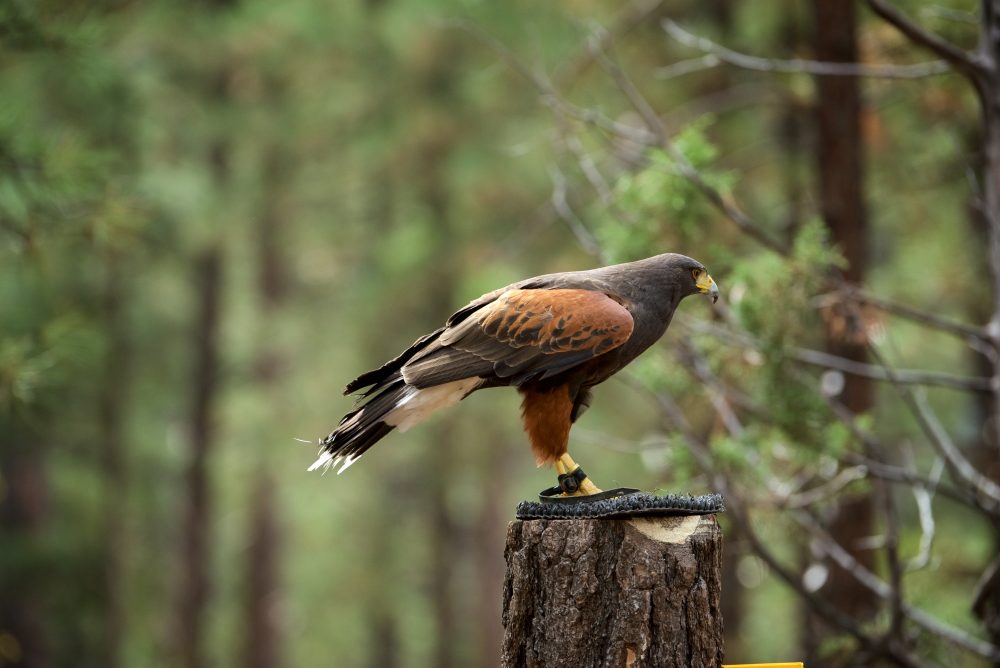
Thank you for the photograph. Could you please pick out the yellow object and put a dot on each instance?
(565, 464)
(704, 283)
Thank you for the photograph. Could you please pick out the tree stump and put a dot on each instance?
(601, 592)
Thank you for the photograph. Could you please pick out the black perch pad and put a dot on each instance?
(628, 504)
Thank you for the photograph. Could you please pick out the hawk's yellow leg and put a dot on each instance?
(565, 464)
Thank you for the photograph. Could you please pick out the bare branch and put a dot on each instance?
(889, 647)
(896, 603)
(904, 376)
(985, 489)
(589, 169)
(634, 15)
(736, 509)
(655, 126)
(598, 120)
(834, 362)
(956, 15)
(799, 66)
(988, 583)
(498, 47)
(925, 514)
(885, 471)
(695, 362)
(656, 135)
(597, 44)
(682, 67)
(961, 60)
(845, 560)
(915, 481)
(938, 322)
(823, 492)
(561, 205)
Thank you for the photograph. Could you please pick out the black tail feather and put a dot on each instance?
(386, 373)
(365, 425)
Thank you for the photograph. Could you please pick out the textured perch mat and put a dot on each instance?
(619, 503)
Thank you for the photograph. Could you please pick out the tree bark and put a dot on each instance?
(443, 546)
(25, 508)
(435, 149)
(111, 415)
(487, 537)
(840, 167)
(194, 584)
(262, 637)
(987, 603)
(261, 609)
(640, 592)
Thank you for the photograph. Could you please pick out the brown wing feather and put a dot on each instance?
(557, 321)
(524, 334)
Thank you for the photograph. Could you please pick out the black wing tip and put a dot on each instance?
(362, 381)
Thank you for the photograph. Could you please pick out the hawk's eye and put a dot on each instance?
(696, 274)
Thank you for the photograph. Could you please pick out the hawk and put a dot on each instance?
(552, 337)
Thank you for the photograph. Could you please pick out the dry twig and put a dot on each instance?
(799, 66)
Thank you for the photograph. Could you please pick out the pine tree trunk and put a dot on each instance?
(640, 592)
(112, 408)
(840, 168)
(195, 579)
(987, 603)
(25, 509)
(260, 649)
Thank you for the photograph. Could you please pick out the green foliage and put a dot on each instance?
(36, 370)
(772, 299)
(658, 199)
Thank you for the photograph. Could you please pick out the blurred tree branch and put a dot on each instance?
(798, 65)
(835, 362)
(635, 14)
(976, 335)
(959, 59)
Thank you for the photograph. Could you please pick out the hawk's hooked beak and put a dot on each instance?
(707, 286)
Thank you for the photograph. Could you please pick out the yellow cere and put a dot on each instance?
(702, 280)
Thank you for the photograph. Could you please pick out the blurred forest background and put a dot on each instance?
(214, 214)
